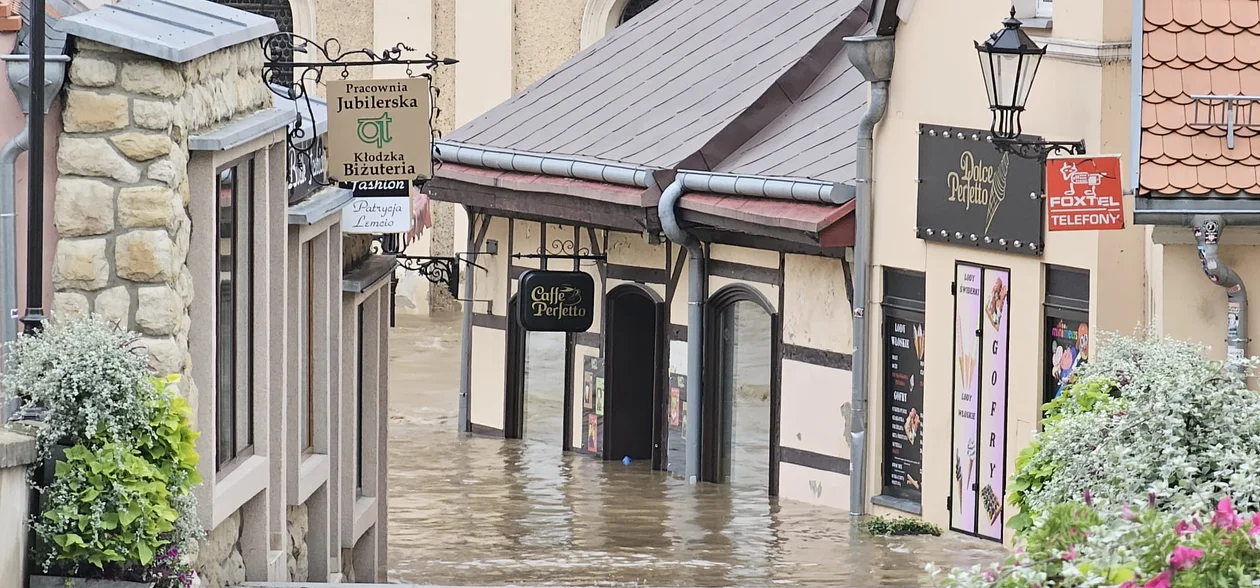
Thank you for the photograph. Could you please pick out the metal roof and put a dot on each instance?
(687, 82)
(177, 31)
(817, 137)
(54, 33)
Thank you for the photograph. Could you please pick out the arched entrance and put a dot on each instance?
(635, 374)
(740, 420)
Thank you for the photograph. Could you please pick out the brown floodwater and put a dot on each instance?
(475, 511)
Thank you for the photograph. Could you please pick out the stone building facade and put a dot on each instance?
(174, 218)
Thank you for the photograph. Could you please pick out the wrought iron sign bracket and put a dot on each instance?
(438, 270)
(560, 256)
(1039, 150)
(562, 249)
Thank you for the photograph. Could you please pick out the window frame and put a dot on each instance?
(360, 383)
(234, 410)
(1045, 8)
(306, 349)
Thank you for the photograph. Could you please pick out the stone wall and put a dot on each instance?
(121, 206)
(354, 249)
(219, 561)
(298, 554)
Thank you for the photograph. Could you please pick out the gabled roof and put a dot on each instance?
(1199, 47)
(817, 137)
(685, 84)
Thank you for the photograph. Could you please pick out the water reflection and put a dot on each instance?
(467, 510)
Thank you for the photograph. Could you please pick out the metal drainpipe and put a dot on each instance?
(1207, 232)
(465, 345)
(873, 56)
(667, 211)
(8, 242)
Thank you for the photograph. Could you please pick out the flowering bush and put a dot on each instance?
(1076, 546)
(119, 505)
(1146, 415)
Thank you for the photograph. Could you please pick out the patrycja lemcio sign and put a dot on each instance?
(379, 130)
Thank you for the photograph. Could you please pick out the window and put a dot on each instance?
(1045, 8)
(234, 316)
(306, 333)
(358, 402)
(634, 7)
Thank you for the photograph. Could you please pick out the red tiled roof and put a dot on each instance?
(1198, 47)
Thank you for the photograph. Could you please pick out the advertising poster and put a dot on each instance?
(675, 443)
(903, 407)
(592, 433)
(993, 382)
(599, 396)
(675, 404)
(967, 303)
(588, 382)
(1068, 350)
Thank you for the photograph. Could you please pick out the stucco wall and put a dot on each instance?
(16, 453)
(545, 34)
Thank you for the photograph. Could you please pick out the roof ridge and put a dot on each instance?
(779, 96)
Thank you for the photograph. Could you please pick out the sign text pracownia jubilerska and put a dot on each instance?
(379, 130)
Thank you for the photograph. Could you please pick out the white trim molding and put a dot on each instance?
(599, 18)
(1093, 53)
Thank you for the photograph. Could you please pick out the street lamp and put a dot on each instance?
(1008, 61)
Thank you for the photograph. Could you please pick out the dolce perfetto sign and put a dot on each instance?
(379, 130)
(972, 193)
(555, 301)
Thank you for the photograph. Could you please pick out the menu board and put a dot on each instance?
(903, 407)
(995, 330)
(966, 398)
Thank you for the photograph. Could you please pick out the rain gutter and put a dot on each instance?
(1135, 94)
(873, 57)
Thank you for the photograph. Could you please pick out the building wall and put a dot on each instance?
(1069, 99)
(807, 294)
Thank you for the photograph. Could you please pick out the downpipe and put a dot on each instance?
(873, 57)
(463, 424)
(8, 242)
(667, 211)
(1207, 233)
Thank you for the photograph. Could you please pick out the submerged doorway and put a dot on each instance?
(635, 346)
(537, 398)
(740, 419)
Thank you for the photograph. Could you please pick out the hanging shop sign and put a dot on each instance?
(971, 193)
(557, 301)
(981, 341)
(378, 207)
(307, 165)
(1067, 327)
(379, 130)
(1084, 193)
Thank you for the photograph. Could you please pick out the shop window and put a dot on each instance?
(1067, 327)
(1045, 8)
(982, 309)
(358, 403)
(903, 419)
(234, 320)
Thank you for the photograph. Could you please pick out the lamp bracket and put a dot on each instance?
(1039, 150)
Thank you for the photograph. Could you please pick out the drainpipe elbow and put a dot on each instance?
(1207, 234)
(667, 210)
(874, 111)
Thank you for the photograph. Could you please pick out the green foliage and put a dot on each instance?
(883, 526)
(1032, 473)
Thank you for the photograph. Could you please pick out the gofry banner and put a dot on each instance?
(1084, 193)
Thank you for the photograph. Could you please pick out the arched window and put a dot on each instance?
(633, 8)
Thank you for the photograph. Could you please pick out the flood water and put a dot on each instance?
(475, 511)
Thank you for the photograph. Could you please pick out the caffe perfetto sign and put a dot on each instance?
(971, 193)
(556, 301)
(379, 130)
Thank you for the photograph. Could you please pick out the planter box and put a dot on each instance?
(63, 582)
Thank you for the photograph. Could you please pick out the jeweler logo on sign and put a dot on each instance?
(1084, 193)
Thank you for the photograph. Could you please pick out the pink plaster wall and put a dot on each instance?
(11, 123)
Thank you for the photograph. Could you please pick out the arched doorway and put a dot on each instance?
(635, 374)
(741, 398)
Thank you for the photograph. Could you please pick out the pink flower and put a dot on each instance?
(1255, 525)
(1128, 514)
(1183, 528)
(1183, 557)
(1225, 517)
(990, 576)
(1163, 580)
(1089, 498)
(1129, 584)
(1069, 555)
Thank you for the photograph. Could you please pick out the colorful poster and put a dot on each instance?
(592, 433)
(995, 330)
(675, 408)
(599, 396)
(588, 383)
(1067, 346)
(967, 304)
(903, 407)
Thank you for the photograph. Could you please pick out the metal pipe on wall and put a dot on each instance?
(8, 242)
(1207, 232)
(667, 211)
(34, 316)
(873, 56)
(465, 347)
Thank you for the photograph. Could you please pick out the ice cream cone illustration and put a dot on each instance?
(971, 457)
(919, 348)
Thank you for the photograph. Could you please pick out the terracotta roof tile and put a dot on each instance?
(1199, 47)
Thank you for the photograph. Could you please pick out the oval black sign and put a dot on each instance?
(556, 301)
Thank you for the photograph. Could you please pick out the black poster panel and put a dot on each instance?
(378, 188)
(903, 406)
(1067, 350)
(972, 193)
(307, 164)
(556, 301)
